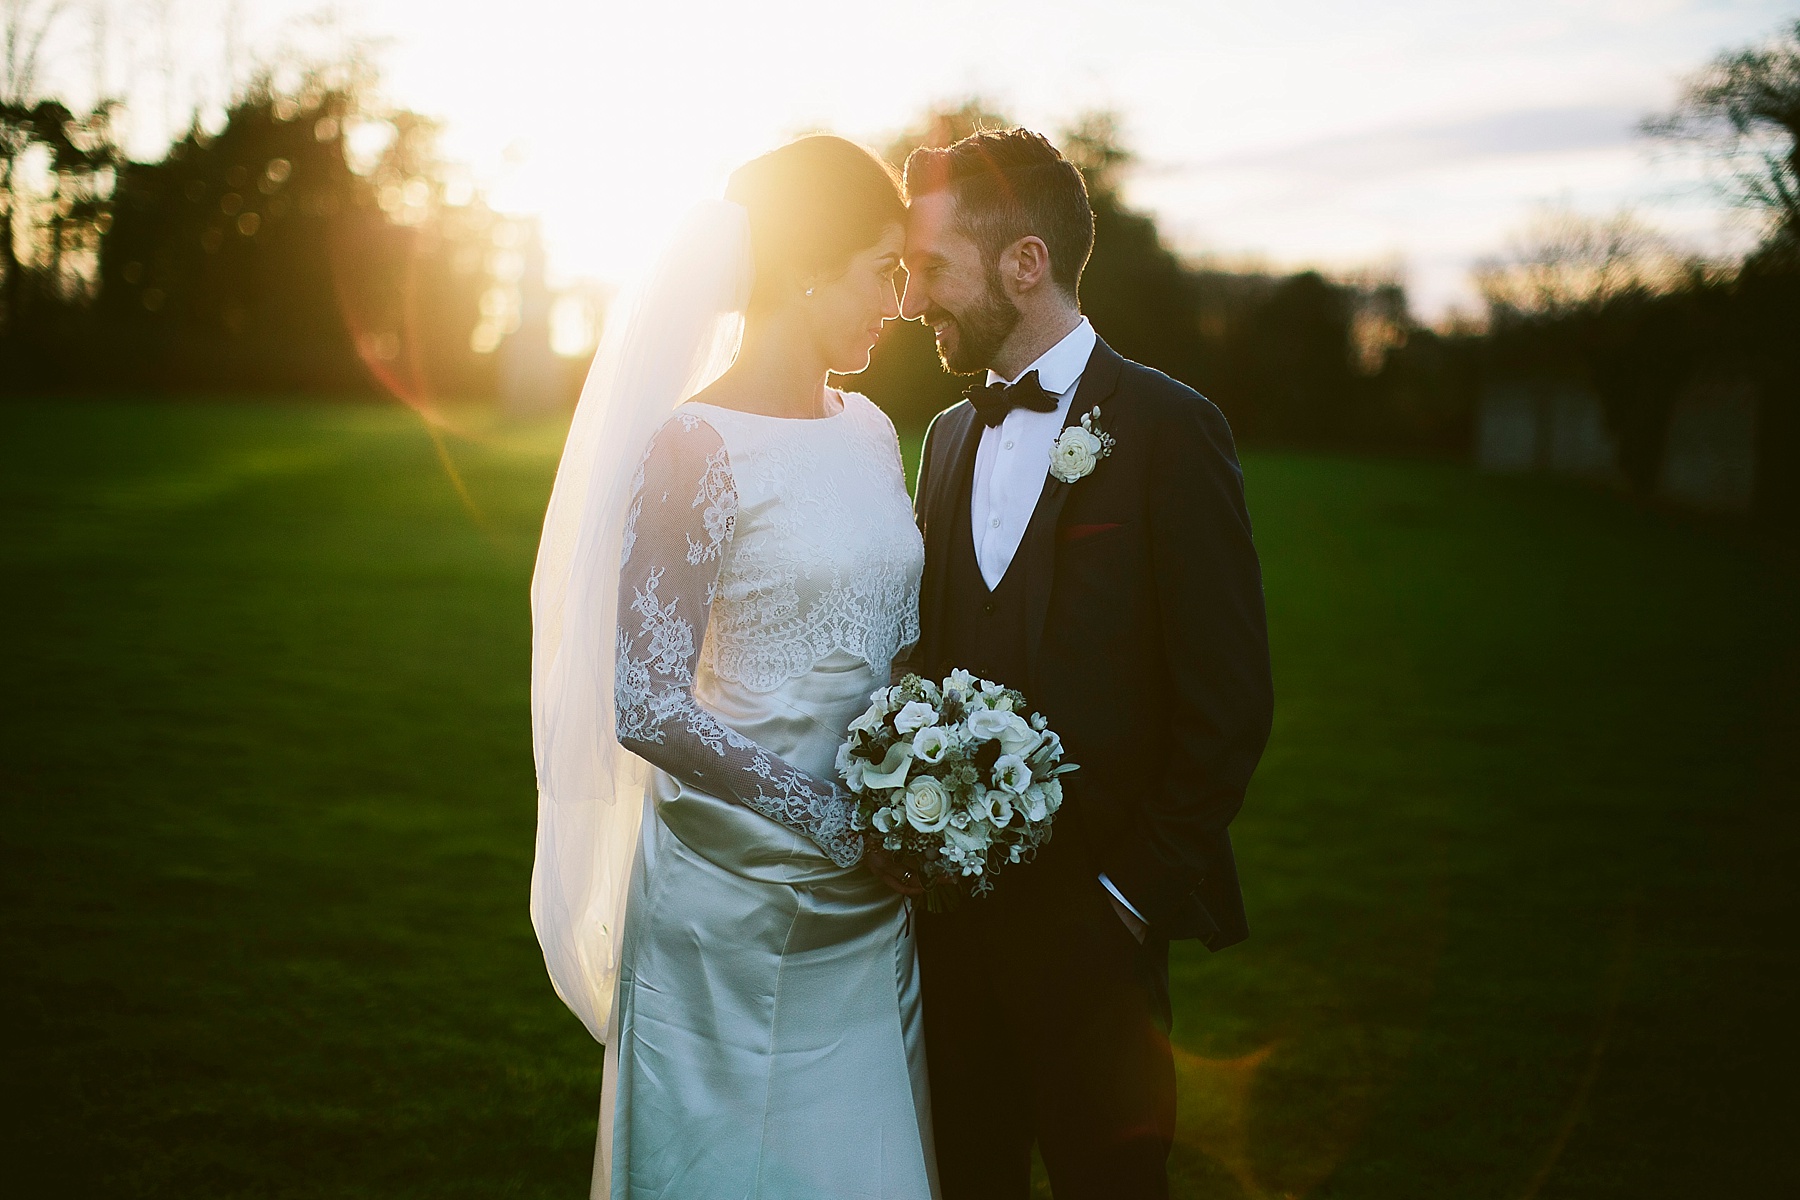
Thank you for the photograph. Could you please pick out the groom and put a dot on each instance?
(1121, 593)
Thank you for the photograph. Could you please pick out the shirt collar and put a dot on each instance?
(1062, 364)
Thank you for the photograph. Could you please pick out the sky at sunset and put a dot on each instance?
(1398, 134)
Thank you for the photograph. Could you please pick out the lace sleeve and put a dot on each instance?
(677, 531)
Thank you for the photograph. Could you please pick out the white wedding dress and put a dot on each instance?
(766, 1039)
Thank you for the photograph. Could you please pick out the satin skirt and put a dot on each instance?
(768, 1039)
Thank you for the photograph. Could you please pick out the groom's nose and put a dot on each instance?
(913, 300)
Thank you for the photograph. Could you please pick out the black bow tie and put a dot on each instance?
(994, 401)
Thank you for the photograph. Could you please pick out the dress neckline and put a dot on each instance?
(843, 407)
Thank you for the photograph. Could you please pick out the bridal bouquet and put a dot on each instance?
(955, 779)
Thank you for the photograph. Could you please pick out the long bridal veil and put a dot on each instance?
(668, 338)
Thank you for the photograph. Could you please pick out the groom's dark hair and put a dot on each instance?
(1009, 184)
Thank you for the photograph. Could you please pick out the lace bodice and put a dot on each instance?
(825, 556)
(755, 548)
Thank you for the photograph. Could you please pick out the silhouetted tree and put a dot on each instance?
(1135, 288)
(1563, 262)
(1611, 305)
(1743, 112)
(80, 152)
(1298, 351)
(261, 258)
(222, 267)
(62, 229)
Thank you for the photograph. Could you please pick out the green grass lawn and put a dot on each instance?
(1519, 860)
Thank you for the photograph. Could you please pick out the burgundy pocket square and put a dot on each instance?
(1074, 533)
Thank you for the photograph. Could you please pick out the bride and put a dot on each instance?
(729, 565)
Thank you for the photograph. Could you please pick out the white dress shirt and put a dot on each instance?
(1013, 458)
(1012, 462)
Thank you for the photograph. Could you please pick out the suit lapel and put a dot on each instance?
(955, 462)
(1037, 550)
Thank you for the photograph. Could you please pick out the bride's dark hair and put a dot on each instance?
(813, 204)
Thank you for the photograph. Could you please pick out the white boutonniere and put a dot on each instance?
(1079, 448)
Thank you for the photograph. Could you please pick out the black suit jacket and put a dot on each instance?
(1147, 643)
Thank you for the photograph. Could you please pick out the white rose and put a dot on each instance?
(927, 805)
(1011, 773)
(1052, 788)
(891, 772)
(1074, 454)
(1018, 737)
(930, 744)
(913, 716)
(985, 724)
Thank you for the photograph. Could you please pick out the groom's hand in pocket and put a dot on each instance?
(892, 873)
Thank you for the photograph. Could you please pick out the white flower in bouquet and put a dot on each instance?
(891, 771)
(997, 807)
(1019, 738)
(1012, 775)
(913, 716)
(985, 724)
(971, 843)
(1047, 751)
(927, 805)
(930, 745)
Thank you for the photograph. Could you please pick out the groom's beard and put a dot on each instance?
(981, 329)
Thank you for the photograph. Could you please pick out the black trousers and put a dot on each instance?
(1046, 1021)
